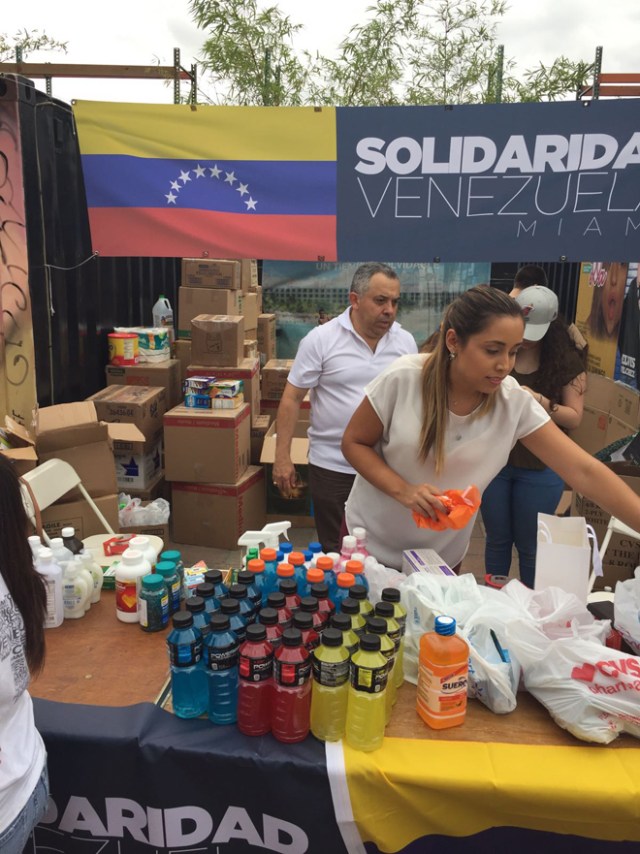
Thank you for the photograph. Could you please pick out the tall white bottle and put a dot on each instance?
(52, 574)
(88, 577)
(92, 565)
(61, 553)
(35, 544)
(75, 591)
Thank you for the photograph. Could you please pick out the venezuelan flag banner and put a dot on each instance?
(183, 181)
(415, 795)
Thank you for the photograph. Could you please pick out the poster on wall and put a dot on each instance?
(601, 291)
(303, 295)
(627, 368)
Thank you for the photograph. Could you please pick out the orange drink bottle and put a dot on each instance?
(442, 676)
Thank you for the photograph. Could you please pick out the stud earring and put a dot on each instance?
(452, 355)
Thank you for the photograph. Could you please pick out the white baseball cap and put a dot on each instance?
(539, 307)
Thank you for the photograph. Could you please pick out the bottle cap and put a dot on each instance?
(256, 565)
(166, 567)
(390, 594)
(345, 579)
(229, 606)
(131, 557)
(171, 554)
(68, 532)
(309, 603)
(315, 576)
(359, 556)
(350, 605)
(445, 626)
(324, 562)
(296, 558)
(308, 555)
(370, 643)
(332, 637)
(315, 547)
(319, 590)
(268, 555)
(245, 577)
(153, 581)
(219, 623)
(355, 567)
(194, 604)
(268, 616)
(359, 592)
(384, 609)
(212, 575)
(303, 620)
(182, 620)
(238, 591)
(377, 626)
(286, 548)
(359, 533)
(291, 637)
(275, 599)
(288, 586)
(206, 590)
(139, 542)
(285, 570)
(341, 622)
(45, 554)
(256, 632)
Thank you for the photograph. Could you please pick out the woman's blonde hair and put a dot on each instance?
(468, 314)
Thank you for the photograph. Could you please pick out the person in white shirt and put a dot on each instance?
(24, 785)
(448, 419)
(335, 361)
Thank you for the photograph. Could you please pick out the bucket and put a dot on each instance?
(123, 348)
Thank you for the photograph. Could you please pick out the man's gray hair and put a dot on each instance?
(365, 272)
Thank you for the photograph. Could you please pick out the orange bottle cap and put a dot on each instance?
(296, 558)
(255, 565)
(268, 554)
(324, 562)
(285, 570)
(315, 575)
(346, 579)
(354, 566)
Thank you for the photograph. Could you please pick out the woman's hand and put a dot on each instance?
(423, 498)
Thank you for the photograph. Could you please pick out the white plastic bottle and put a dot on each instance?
(75, 591)
(133, 565)
(361, 541)
(52, 575)
(61, 553)
(143, 544)
(76, 560)
(92, 565)
(348, 548)
(35, 544)
(162, 314)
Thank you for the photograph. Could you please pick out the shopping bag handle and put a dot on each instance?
(544, 530)
(596, 560)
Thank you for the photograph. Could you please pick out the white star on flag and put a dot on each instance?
(175, 186)
(243, 189)
(251, 204)
(171, 199)
(184, 177)
(199, 171)
(215, 172)
(231, 178)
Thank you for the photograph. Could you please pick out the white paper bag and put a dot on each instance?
(563, 555)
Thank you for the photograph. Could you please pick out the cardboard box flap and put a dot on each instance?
(17, 435)
(122, 432)
(71, 437)
(127, 394)
(299, 445)
(22, 454)
(63, 416)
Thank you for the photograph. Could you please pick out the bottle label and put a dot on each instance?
(292, 673)
(442, 691)
(173, 590)
(331, 674)
(221, 658)
(142, 613)
(184, 654)
(372, 680)
(255, 669)
(126, 596)
(71, 595)
(50, 615)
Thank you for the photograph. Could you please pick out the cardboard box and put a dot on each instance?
(217, 339)
(142, 405)
(623, 554)
(426, 561)
(138, 459)
(249, 274)
(250, 348)
(611, 412)
(182, 350)
(259, 428)
(270, 407)
(247, 371)
(266, 337)
(195, 301)
(164, 375)
(217, 514)
(274, 378)
(249, 311)
(278, 505)
(207, 445)
(72, 432)
(81, 516)
(211, 273)
(21, 450)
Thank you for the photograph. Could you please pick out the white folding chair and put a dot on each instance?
(615, 526)
(47, 483)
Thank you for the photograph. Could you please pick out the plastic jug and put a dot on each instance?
(162, 314)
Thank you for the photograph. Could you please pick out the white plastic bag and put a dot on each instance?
(590, 690)
(379, 577)
(565, 548)
(132, 514)
(626, 610)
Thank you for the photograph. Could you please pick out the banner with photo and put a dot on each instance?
(303, 295)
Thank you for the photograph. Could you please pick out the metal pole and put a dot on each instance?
(49, 86)
(176, 79)
(499, 73)
(194, 85)
(597, 69)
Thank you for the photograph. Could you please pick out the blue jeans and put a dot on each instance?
(15, 837)
(510, 507)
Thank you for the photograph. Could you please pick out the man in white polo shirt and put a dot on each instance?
(336, 361)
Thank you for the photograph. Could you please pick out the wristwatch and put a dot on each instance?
(553, 407)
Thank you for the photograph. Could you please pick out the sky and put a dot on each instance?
(145, 32)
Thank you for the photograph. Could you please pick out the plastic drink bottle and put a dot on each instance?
(378, 626)
(255, 686)
(361, 541)
(303, 621)
(201, 619)
(316, 550)
(442, 676)
(344, 584)
(88, 577)
(95, 570)
(167, 569)
(52, 574)
(320, 591)
(188, 677)
(286, 549)
(207, 592)
(286, 570)
(356, 568)
(348, 548)
(330, 688)
(313, 575)
(71, 542)
(231, 609)
(221, 648)
(269, 619)
(325, 563)
(296, 559)
(268, 555)
(352, 608)
(392, 594)
(367, 696)
(220, 589)
(359, 593)
(257, 568)
(291, 698)
(350, 639)
(75, 591)
(309, 605)
(153, 603)
(276, 600)
(386, 611)
(254, 595)
(247, 608)
(289, 587)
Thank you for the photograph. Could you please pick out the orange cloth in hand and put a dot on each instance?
(461, 505)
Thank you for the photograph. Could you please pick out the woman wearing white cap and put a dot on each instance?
(551, 368)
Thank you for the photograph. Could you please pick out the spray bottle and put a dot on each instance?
(269, 536)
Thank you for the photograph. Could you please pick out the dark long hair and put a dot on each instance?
(468, 314)
(24, 583)
(555, 347)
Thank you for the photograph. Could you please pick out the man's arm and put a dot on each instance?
(284, 473)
